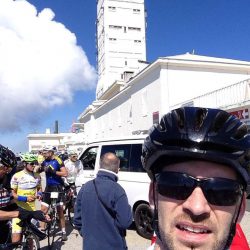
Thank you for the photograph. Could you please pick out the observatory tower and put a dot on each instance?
(121, 42)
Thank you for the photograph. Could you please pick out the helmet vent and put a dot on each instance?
(240, 132)
(180, 118)
(199, 119)
(219, 121)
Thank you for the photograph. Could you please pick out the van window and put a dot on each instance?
(129, 154)
(135, 158)
(88, 158)
(122, 151)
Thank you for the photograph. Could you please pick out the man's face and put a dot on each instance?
(30, 166)
(47, 154)
(194, 223)
(73, 157)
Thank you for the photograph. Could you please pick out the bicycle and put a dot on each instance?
(31, 236)
(70, 202)
(52, 212)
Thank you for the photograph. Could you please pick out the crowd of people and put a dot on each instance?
(198, 160)
(20, 187)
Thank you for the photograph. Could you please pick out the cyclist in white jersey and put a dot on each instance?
(74, 166)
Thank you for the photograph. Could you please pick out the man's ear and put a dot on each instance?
(242, 208)
(151, 195)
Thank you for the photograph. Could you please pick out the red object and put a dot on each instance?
(153, 239)
(239, 240)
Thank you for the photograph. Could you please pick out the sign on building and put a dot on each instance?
(241, 114)
(156, 117)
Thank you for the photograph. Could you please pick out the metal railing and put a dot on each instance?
(235, 95)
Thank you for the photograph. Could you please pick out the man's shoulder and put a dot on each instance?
(67, 162)
(78, 163)
(57, 159)
(18, 175)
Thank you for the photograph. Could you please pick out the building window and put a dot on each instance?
(134, 28)
(115, 27)
(137, 41)
(112, 39)
(112, 8)
(136, 11)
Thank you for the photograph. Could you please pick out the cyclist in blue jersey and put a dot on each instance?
(54, 170)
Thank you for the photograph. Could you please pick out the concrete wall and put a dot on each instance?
(158, 88)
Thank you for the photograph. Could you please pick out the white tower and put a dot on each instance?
(121, 42)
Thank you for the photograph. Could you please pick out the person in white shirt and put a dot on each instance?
(74, 166)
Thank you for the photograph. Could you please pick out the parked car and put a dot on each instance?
(132, 176)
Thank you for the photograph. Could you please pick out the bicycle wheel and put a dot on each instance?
(51, 231)
(31, 242)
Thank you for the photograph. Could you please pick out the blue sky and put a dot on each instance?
(209, 27)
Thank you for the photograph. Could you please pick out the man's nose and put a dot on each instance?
(196, 204)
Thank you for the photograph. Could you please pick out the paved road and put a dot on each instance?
(135, 242)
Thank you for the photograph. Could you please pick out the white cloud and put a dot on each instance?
(41, 65)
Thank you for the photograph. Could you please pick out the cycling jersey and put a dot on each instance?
(5, 194)
(26, 184)
(40, 159)
(73, 169)
(5, 205)
(56, 163)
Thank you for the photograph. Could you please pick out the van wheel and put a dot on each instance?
(144, 221)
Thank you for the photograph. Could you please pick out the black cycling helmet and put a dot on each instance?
(7, 157)
(198, 133)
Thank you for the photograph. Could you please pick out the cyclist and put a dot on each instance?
(74, 166)
(26, 187)
(54, 170)
(8, 209)
(198, 161)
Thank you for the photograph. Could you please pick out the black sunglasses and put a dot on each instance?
(217, 191)
(32, 163)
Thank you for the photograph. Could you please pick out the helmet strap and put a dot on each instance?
(155, 218)
(233, 225)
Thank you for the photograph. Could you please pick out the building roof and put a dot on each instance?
(193, 57)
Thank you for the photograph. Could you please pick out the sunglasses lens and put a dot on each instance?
(222, 192)
(217, 191)
(174, 185)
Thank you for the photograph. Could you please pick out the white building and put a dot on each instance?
(62, 141)
(121, 46)
(126, 105)
(168, 83)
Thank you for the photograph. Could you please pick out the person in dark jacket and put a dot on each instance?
(102, 212)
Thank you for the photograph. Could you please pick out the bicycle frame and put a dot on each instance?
(52, 211)
(29, 232)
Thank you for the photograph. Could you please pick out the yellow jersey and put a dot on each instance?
(26, 184)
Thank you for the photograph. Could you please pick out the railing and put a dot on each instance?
(235, 95)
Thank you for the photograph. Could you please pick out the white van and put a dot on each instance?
(132, 176)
